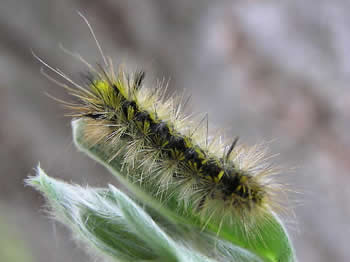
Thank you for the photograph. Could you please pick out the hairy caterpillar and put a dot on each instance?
(162, 147)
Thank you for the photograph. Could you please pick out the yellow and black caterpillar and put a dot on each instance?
(169, 150)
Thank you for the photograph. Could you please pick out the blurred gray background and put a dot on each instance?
(266, 70)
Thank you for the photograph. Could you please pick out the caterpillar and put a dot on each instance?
(162, 146)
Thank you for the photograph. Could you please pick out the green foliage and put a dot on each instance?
(142, 229)
(109, 221)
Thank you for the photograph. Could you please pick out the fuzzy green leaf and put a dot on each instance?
(113, 224)
(92, 218)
